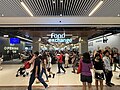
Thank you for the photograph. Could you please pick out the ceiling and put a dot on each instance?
(13, 8)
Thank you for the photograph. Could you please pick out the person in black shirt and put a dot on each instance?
(99, 74)
(36, 72)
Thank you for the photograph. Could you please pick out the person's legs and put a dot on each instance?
(1, 65)
(32, 78)
(58, 67)
(41, 73)
(73, 68)
(89, 86)
(96, 84)
(115, 65)
(67, 63)
(45, 73)
(84, 86)
(101, 84)
(42, 81)
(62, 67)
(110, 75)
(107, 77)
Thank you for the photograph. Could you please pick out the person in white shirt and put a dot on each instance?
(50, 66)
(66, 59)
(108, 68)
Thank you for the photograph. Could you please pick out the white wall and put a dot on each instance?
(113, 41)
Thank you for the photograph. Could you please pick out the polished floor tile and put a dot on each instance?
(57, 88)
(8, 78)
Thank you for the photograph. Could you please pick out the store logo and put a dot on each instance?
(53, 35)
(59, 38)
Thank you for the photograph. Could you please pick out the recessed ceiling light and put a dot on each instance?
(60, 15)
(118, 15)
(2, 15)
(53, 1)
(61, 1)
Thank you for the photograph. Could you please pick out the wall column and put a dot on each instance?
(35, 44)
(83, 45)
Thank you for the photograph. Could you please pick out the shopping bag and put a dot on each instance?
(79, 67)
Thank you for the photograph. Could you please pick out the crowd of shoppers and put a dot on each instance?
(101, 61)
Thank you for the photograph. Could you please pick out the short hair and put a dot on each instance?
(106, 51)
(36, 53)
(97, 54)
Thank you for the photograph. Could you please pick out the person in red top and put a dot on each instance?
(60, 62)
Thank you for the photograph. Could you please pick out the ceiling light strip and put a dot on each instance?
(26, 8)
(24, 38)
(97, 6)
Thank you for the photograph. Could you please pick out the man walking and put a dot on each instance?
(60, 62)
(36, 72)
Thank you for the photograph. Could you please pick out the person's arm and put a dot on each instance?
(32, 60)
(45, 63)
(105, 63)
(36, 75)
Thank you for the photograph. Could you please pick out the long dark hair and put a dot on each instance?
(86, 57)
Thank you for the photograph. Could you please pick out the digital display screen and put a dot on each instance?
(14, 41)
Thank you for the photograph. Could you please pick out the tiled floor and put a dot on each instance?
(8, 78)
(58, 88)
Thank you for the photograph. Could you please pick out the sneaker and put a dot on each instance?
(53, 75)
(112, 84)
(58, 72)
(49, 76)
(47, 81)
(73, 71)
(46, 87)
(109, 85)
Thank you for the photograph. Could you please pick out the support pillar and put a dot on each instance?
(83, 45)
(35, 44)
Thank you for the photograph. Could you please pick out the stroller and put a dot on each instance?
(22, 70)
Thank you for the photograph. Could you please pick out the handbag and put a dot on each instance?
(79, 67)
(27, 65)
(99, 74)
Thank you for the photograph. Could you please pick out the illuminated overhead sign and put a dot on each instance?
(59, 38)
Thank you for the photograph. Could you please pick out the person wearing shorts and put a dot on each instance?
(86, 75)
(98, 69)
